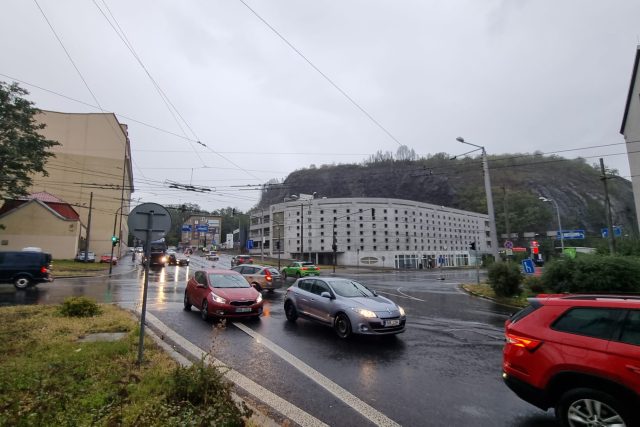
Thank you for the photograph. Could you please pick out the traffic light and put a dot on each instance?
(115, 240)
(472, 246)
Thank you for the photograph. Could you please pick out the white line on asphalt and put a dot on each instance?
(398, 295)
(286, 408)
(373, 415)
(402, 295)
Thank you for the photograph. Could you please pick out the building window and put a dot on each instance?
(361, 233)
(348, 248)
(374, 248)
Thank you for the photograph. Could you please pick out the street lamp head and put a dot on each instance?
(460, 139)
(544, 199)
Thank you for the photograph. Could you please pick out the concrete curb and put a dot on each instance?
(257, 418)
(475, 294)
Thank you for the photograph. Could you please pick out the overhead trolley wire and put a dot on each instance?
(325, 76)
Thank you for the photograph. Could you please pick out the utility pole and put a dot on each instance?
(506, 212)
(334, 246)
(86, 247)
(607, 202)
(493, 235)
(302, 231)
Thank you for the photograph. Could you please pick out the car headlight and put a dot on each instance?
(218, 299)
(365, 313)
(401, 311)
(259, 297)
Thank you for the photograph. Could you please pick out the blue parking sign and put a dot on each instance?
(249, 244)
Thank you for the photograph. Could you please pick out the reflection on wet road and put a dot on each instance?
(443, 371)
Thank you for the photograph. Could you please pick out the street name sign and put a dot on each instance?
(571, 234)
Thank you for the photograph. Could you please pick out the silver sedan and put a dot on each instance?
(344, 304)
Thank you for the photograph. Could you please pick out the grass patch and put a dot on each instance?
(69, 267)
(49, 378)
(485, 290)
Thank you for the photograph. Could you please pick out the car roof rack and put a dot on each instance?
(602, 296)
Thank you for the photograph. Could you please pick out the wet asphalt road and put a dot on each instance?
(443, 371)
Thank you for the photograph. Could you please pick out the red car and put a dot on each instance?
(579, 354)
(109, 258)
(222, 294)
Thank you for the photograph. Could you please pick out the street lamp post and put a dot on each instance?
(493, 235)
(545, 199)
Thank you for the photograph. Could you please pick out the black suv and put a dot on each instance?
(25, 268)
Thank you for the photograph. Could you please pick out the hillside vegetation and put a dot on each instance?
(517, 182)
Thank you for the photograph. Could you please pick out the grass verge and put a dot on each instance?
(484, 290)
(48, 378)
(68, 267)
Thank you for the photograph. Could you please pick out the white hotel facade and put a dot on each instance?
(370, 231)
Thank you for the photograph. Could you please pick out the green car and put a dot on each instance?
(300, 269)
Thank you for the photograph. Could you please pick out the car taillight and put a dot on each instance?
(267, 276)
(527, 343)
(304, 268)
(44, 269)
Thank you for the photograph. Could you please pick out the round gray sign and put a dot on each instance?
(146, 214)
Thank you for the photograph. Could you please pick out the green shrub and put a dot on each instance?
(535, 284)
(593, 273)
(79, 307)
(558, 275)
(505, 279)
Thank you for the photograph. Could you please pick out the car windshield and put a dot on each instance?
(307, 264)
(350, 289)
(274, 271)
(228, 281)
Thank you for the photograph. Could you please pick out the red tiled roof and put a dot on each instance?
(43, 196)
(62, 208)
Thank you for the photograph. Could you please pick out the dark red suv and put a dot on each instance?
(579, 354)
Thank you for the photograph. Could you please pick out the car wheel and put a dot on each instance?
(589, 407)
(298, 275)
(187, 305)
(342, 325)
(290, 311)
(21, 282)
(284, 275)
(204, 313)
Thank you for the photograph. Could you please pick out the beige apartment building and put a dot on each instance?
(91, 171)
(631, 130)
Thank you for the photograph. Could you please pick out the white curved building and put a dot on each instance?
(370, 231)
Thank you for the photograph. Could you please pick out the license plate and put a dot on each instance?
(243, 310)
(393, 322)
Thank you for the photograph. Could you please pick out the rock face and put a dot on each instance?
(517, 183)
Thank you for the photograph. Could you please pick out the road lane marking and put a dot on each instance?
(401, 295)
(373, 415)
(286, 408)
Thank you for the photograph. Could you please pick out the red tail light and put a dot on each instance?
(527, 343)
(267, 275)
(44, 269)
(304, 268)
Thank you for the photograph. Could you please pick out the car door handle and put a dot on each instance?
(632, 368)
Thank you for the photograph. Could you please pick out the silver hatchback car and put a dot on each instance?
(344, 304)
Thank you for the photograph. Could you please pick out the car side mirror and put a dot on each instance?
(326, 294)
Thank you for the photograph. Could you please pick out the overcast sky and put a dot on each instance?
(514, 76)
